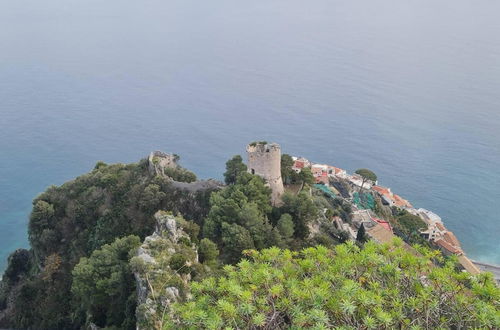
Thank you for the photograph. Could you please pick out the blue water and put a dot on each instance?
(410, 89)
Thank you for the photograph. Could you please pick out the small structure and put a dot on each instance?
(336, 172)
(380, 234)
(158, 161)
(369, 220)
(428, 216)
(264, 160)
(344, 226)
(363, 217)
(383, 223)
(444, 239)
(357, 180)
(299, 163)
(434, 231)
(320, 173)
(391, 199)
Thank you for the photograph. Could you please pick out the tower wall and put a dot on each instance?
(264, 160)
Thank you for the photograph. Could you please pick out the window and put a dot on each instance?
(253, 171)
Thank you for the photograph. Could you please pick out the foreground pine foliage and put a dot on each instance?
(377, 287)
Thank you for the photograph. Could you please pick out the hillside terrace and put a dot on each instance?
(436, 232)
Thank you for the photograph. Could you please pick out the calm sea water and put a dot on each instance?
(410, 89)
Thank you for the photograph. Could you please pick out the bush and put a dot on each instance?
(377, 287)
(178, 263)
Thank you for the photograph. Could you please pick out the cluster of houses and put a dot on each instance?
(380, 229)
(391, 199)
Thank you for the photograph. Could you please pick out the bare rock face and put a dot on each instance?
(158, 285)
(166, 226)
(159, 161)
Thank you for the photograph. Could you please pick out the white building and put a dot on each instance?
(357, 180)
(299, 163)
(337, 172)
(434, 231)
(428, 216)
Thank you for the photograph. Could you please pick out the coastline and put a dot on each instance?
(494, 269)
(436, 232)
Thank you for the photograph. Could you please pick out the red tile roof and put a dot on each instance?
(299, 164)
(382, 190)
(447, 246)
(383, 223)
(400, 202)
(440, 226)
(323, 178)
(335, 170)
(451, 238)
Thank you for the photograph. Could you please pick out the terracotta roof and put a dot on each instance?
(440, 226)
(336, 170)
(299, 164)
(399, 201)
(383, 223)
(447, 246)
(382, 190)
(451, 238)
(322, 178)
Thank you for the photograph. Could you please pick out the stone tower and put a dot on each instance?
(264, 160)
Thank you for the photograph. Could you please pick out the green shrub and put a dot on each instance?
(377, 287)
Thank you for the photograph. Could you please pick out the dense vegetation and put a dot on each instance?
(289, 176)
(377, 287)
(241, 216)
(85, 235)
(407, 226)
(70, 222)
(104, 287)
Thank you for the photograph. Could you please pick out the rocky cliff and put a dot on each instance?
(163, 267)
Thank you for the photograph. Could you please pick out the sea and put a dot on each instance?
(409, 89)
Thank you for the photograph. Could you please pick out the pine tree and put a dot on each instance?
(361, 236)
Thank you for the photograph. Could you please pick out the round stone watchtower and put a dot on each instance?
(264, 160)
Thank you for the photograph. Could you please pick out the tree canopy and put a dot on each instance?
(103, 284)
(287, 173)
(306, 175)
(367, 174)
(234, 167)
(237, 219)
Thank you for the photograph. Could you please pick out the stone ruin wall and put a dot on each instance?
(158, 161)
(264, 160)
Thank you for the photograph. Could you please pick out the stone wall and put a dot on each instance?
(158, 161)
(264, 160)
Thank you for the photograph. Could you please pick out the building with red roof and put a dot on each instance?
(383, 223)
(390, 198)
(447, 248)
(299, 163)
(322, 178)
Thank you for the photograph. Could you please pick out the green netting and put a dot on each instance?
(364, 201)
(326, 190)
